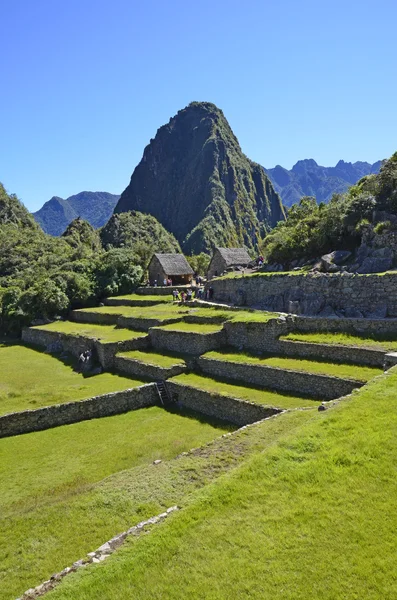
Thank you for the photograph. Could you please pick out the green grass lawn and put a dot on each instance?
(311, 517)
(104, 333)
(244, 392)
(58, 500)
(376, 342)
(359, 373)
(158, 359)
(30, 379)
(161, 312)
(140, 298)
(239, 316)
(192, 327)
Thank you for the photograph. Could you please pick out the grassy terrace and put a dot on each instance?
(104, 333)
(243, 392)
(359, 373)
(56, 499)
(192, 327)
(375, 342)
(140, 298)
(312, 516)
(157, 359)
(163, 311)
(31, 379)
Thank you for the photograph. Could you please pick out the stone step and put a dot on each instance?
(123, 316)
(138, 300)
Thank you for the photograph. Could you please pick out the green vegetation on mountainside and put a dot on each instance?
(312, 516)
(281, 400)
(196, 181)
(32, 379)
(42, 276)
(56, 214)
(375, 342)
(313, 229)
(358, 373)
(65, 491)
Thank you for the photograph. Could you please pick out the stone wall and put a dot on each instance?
(234, 410)
(86, 316)
(321, 387)
(134, 323)
(185, 341)
(263, 337)
(349, 294)
(145, 370)
(74, 412)
(75, 344)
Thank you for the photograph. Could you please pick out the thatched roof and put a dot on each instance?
(234, 256)
(174, 264)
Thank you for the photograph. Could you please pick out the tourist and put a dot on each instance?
(155, 283)
(81, 362)
(210, 293)
(165, 281)
(189, 295)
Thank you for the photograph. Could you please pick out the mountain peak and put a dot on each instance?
(196, 181)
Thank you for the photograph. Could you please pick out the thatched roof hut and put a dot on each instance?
(224, 258)
(170, 266)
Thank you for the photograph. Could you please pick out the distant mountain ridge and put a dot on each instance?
(307, 178)
(195, 179)
(95, 207)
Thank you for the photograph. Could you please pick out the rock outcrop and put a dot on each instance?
(196, 181)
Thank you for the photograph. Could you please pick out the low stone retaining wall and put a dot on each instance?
(264, 337)
(160, 290)
(79, 316)
(334, 353)
(226, 408)
(145, 370)
(75, 344)
(138, 302)
(143, 323)
(185, 341)
(74, 412)
(321, 387)
(311, 293)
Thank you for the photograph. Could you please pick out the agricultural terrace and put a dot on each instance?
(358, 373)
(32, 379)
(56, 503)
(311, 516)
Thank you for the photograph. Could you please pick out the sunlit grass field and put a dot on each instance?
(244, 392)
(32, 379)
(358, 373)
(53, 504)
(310, 517)
(375, 342)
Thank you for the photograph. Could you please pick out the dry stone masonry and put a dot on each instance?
(323, 294)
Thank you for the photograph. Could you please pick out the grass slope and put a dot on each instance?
(359, 373)
(31, 379)
(376, 342)
(142, 298)
(244, 392)
(105, 333)
(55, 505)
(311, 517)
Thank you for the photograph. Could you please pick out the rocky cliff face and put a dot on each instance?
(307, 178)
(196, 181)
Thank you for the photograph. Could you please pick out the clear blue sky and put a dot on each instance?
(86, 83)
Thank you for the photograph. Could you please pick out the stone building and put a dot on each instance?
(225, 258)
(170, 266)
